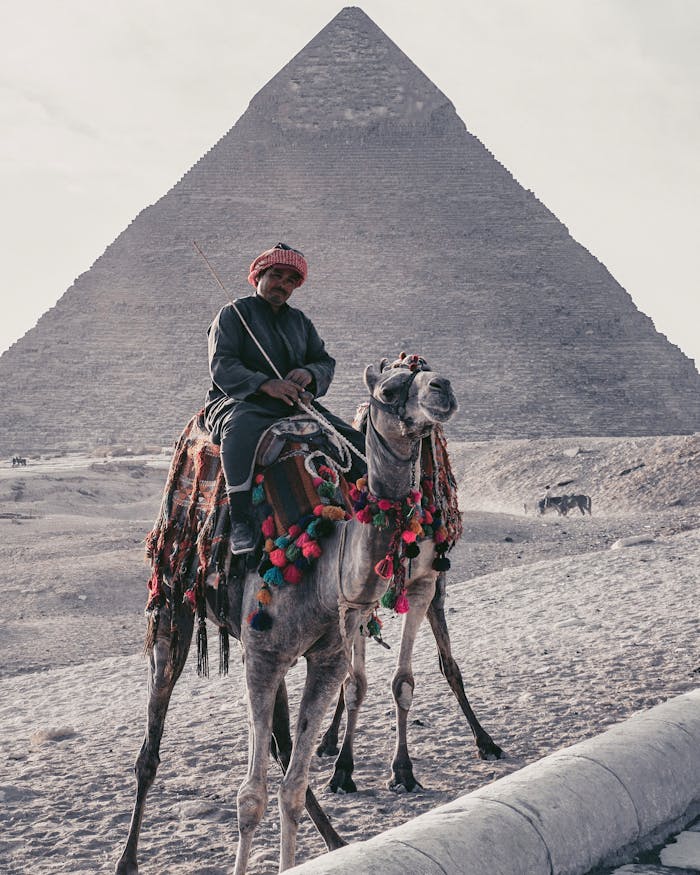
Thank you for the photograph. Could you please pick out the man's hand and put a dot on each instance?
(285, 390)
(300, 376)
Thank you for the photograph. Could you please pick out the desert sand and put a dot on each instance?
(561, 625)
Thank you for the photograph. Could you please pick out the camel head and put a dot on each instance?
(407, 398)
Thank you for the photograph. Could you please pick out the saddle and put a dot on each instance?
(188, 546)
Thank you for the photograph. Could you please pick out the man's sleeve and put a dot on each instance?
(227, 370)
(318, 362)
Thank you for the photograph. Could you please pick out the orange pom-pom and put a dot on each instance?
(331, 512)
(264, 596)
(415, 526)
(361, 483)
(269, 545)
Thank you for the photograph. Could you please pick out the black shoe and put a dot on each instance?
(241, 538)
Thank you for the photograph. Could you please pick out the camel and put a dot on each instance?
(317, 619)
(426, 588)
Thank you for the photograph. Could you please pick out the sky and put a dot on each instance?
(591, 104)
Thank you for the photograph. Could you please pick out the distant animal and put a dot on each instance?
(564, 503)
(582, 502)
(560, 503)
(19, 461)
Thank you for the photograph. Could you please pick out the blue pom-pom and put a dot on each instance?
(261, 621)
(283, 542)
(274, 576)
(258, 494)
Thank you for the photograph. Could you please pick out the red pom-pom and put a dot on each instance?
(259, 478)
(190, 599)
(385, 504)
(427, 517)
(440, 536)
(354, 493)
(318, 510)
(317, 481)
(302, 539)
(415, 496)
(385, 567)
(294, 531)
(278, 558)
(364, 515)
(292, 574)
(268, 527)
(312, 550)
(408, 536)
(401, 606)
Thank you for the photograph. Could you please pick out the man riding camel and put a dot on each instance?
(247, 396)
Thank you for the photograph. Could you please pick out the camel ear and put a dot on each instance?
(383, 364)
(371, 377)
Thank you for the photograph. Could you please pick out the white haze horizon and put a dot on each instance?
(591, 104)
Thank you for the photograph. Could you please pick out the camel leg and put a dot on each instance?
(324, 674)
(282, 751)
(162, 676)
(355, 686)
(420, 593)
(328, 746)
(487, 747)
(263, 679)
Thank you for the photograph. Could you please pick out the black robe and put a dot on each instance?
(238, 369)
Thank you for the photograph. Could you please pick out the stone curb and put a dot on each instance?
(592, 804)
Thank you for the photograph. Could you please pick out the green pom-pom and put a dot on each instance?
(324, 527)
(292, 552)
(428, 531)
(326, 490)
(258, 494)
(373, 628)
(274, 576)
(380, 520)
(388, 600)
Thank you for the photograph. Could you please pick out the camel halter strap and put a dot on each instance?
(398, 407)
(319, 417)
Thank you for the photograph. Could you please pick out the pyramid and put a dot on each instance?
(417, 239)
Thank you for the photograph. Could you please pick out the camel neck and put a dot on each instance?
(390, 469)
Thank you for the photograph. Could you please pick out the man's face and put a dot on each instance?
(277, 284)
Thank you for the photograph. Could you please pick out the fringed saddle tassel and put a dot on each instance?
(224, 649)
(222, 607)
(202, 649)
(175, 612)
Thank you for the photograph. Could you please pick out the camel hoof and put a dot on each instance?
(489, 750)
(335, 842)
(342, 782)
(405, 783)
(328, 748)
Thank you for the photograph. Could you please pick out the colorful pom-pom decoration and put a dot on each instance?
(401, 605)
(292, 574)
